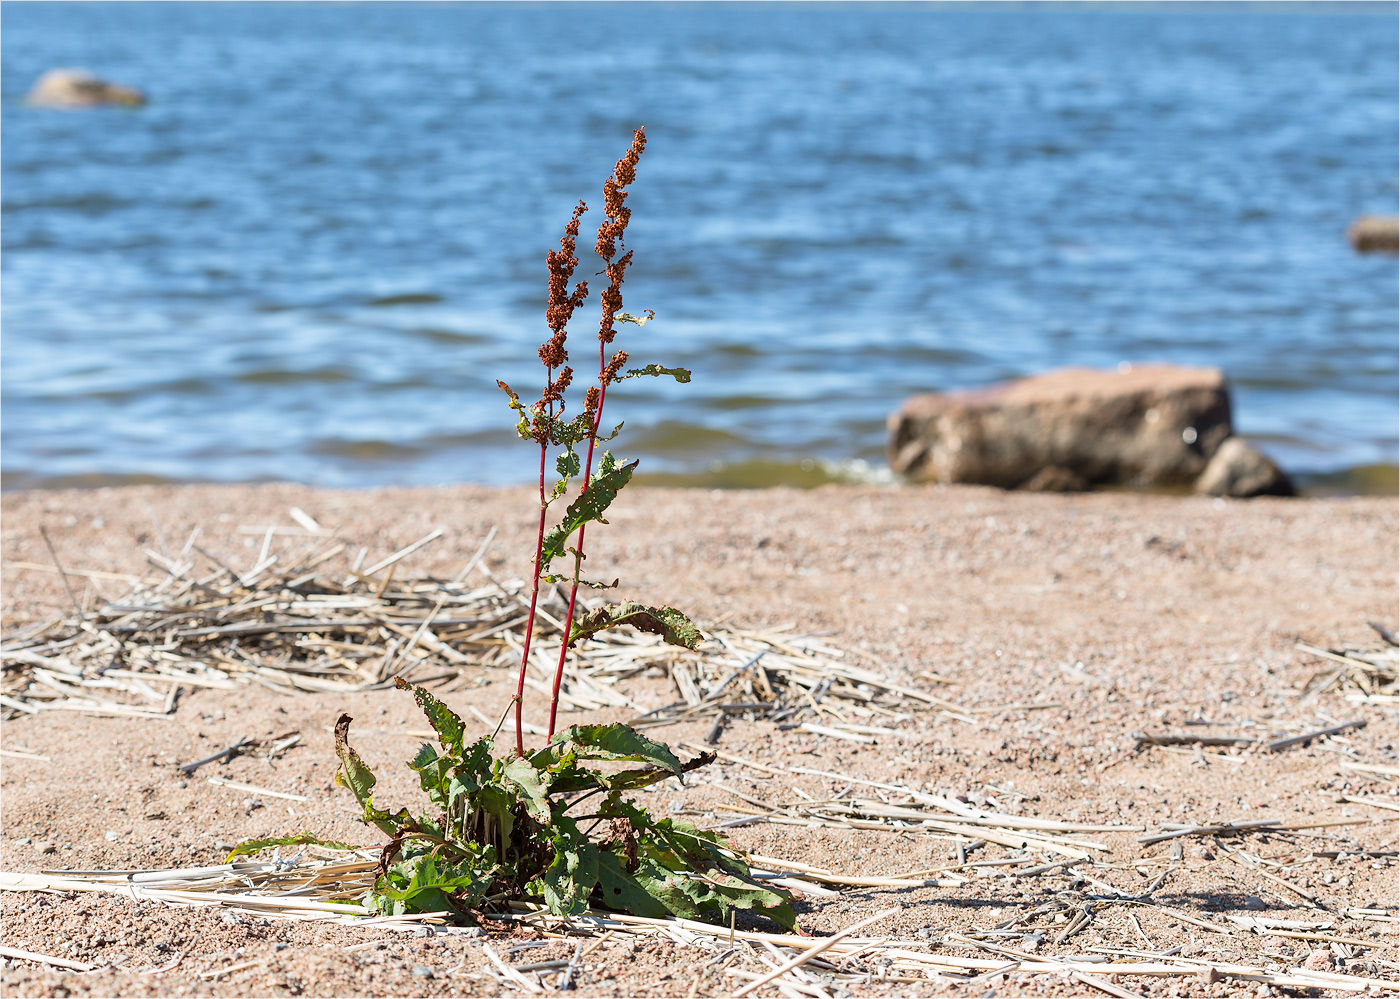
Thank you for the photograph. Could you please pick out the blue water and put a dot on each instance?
(314, 251)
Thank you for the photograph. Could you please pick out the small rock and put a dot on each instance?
(77, 88)
(232, 918)
(422, 971)
(23, 841)
(1237, 470)
(676, 805)
(46, 846)
(1253, 903)
(1328, 877)
(1375, 234)
(1263, 992)
(472, 933)
(422, 931)
(113, 836)
(182, 783)
(280, 946)
(1320, 960)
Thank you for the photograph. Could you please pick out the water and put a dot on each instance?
(313, 253)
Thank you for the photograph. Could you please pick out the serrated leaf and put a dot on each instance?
(359, 778)
(618, 742)
(681, 375)
(449, 728)
(248, 847)
(673, 626)
(587, 507)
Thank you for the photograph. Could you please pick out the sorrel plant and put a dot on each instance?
(552, 825)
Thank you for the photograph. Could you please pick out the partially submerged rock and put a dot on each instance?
(77, 88)
(1149, 426)
(1375, 234)
(1236, 469)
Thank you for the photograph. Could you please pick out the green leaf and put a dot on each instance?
(621, 892)
(434, 773)
(425, 883)
(248, 847)
(587, 507)
(534, 792)
(681, 375)
(618, 742)
(359, 778)
(673, 626)
(567, 464)
(568, 881)
(449, 728)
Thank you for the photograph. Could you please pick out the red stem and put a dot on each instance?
(578, 547)
(530, 625)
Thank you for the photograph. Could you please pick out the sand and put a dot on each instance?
(1131, 612)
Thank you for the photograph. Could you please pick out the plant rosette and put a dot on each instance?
(552, 826)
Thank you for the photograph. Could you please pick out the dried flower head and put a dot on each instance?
(561, 264)
(614, 366)
(613, 229)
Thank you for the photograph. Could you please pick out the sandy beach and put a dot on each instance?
(1111, 614)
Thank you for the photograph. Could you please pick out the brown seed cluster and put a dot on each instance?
(562, 303)
(614, 366)
(612, 232)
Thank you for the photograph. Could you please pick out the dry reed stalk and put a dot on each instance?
(314, 887)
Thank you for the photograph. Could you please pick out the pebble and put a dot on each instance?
(280, 946)
(422, 931)
(1320, 960)
(113, 835)
(45, 847)
(422, 971)
(1253, 902)
(23, 841)
(182, 783)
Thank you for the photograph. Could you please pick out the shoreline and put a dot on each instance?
(1371, 479)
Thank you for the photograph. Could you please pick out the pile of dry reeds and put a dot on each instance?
(320, 619)
(1367, 674)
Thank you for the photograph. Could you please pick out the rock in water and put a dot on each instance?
(1236, 469)
(77, 88)
(1148, 426)
(1375, 234)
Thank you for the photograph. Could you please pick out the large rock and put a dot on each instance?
(1236, 469)
(77, 88)
(1147, 426)
(1375, 234)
